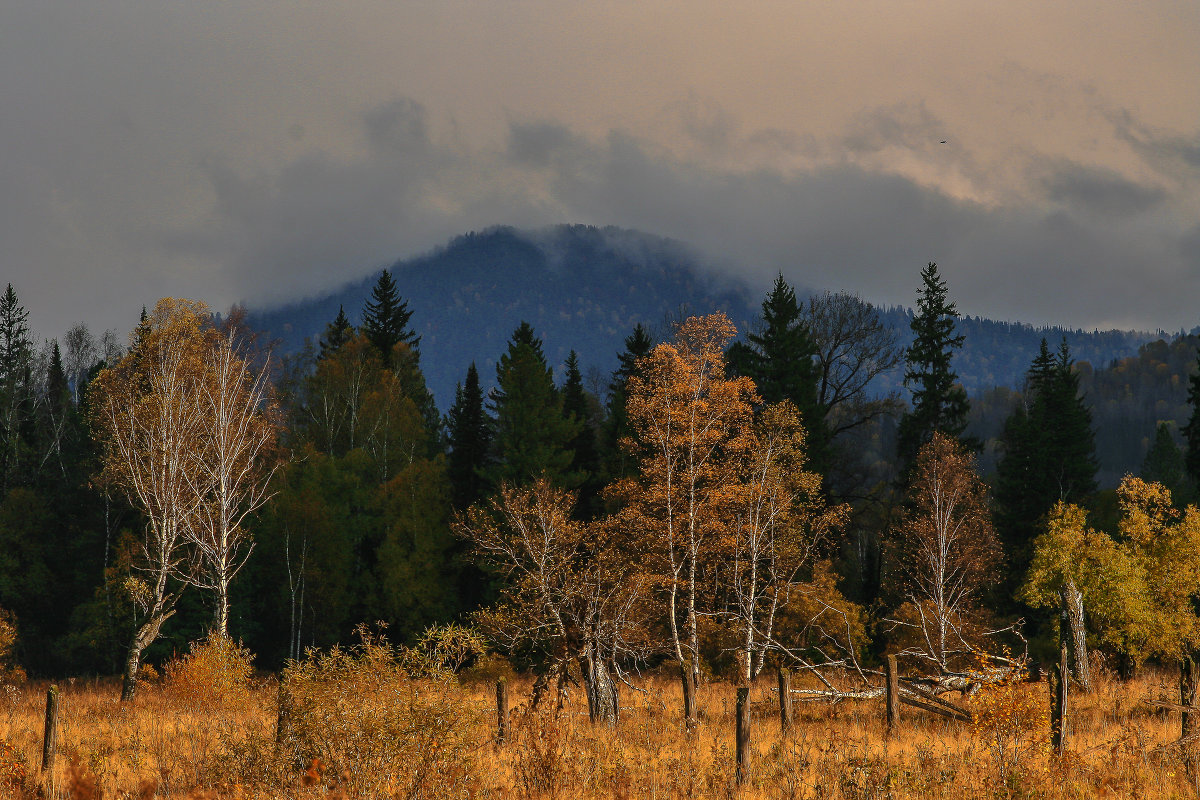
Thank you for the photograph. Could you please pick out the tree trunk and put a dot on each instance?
(1189, 689)
(689, 695)
(598, 684)
(221, 618)
(1073, 603)
(145, 637)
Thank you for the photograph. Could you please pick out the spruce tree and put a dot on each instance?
(585, 464)
(385, 318)
(617, 463)
(939, 403)
(1048, 455)
(468, 433)
(337, 333)
(16, 355)
(780, 360)
(531, 437)
(1191, 431)
(1164, 463)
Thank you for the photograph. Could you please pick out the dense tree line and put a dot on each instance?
(715, 503)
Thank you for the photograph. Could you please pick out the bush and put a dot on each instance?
(213, 676)
(360, 718)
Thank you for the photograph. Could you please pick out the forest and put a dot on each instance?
(723, 507)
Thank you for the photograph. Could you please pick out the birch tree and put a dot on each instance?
(150, 428)
(233, 466)
(692, 424)
(948, 551)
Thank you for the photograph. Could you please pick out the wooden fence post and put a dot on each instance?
(501, 710)
(785, 699)
(893, 695)
(50, 738)
(1060, 680)
(743, 732)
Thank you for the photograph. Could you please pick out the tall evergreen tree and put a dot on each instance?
(1164, 463)
(1049, 455)
(531, 437)
(615, 460)
(468, 433)
(780, 360)
(337, 333)
(1191, 431)
(939, 403)
(16, 355)
(585, 464)
(386, 316)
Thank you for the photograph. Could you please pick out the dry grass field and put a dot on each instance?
(177, 743)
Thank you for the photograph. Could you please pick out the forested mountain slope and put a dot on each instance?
(584, 288)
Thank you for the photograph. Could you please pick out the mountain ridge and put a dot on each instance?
(584, 288)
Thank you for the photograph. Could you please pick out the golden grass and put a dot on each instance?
(1119, 747)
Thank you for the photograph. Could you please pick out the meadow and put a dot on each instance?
(362, 732)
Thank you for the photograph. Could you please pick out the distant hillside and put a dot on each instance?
(580, 287)
(585, 288)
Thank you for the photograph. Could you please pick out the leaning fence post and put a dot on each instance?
(50, 740)
(743, 732)
(893, 695)
(501, 710)
(785, 699)
(1060, 679)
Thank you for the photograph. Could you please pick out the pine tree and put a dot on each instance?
(1191, 431)
(1049, 455)
(1164, 464)
(531, 437)
(585, 464)
(337, 333)
(468, 432)
(16, 353)
(616, 427)
(385, 318)
(780, 360)
(939, 403)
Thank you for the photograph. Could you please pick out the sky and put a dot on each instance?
(264, 151)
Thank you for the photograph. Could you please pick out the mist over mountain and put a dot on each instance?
(585, 288)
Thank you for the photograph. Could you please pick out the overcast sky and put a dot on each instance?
(264, 151)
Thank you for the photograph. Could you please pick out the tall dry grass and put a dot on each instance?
(163, 745)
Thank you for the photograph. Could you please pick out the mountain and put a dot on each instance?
(584, 288)
(580, 287)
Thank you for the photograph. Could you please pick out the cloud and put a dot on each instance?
(1099, 191)
(267, 151)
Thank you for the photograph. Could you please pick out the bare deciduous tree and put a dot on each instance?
(571, 589)
(232, 466)
(947, 552)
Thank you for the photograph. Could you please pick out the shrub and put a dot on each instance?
(213, 676)
(362, 719)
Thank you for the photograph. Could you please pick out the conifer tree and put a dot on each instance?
(585, 463)
(337, 333)
(1049, 455)
(469, 438)
(531, 437)
(617, 463)
(385, 318)
(1191, 431)
(1164, 464)
(16, 355)
(780, 360)
(939, 403)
